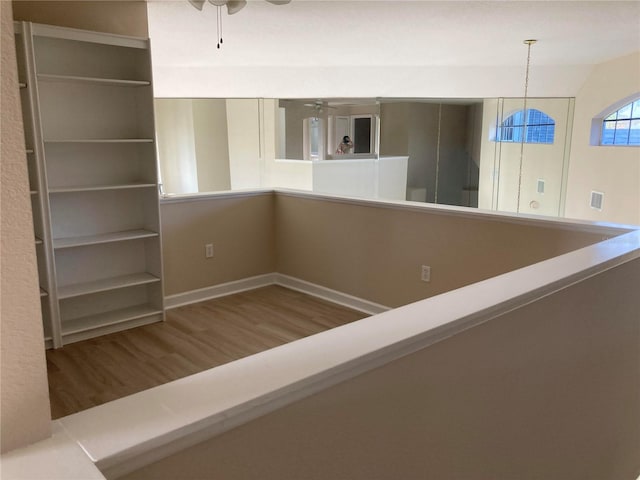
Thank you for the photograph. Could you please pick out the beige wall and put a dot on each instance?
(376, 253)
(371, 252)
(245, 150)
(296, 112)
(612, 170)
(423, 140)
(394, 128)
(550, 390)
(241, 230)
(474, 127)
(212, 145)
(489, 156)
(176, 145)
(193, 145)
(120, 17)
(25, 416)
(295, 174)
(454, 157)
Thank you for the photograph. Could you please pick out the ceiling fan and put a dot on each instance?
(319, 106)
(233, 6)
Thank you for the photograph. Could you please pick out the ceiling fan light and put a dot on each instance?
(234, 6)
(197, 3)
(218, 3)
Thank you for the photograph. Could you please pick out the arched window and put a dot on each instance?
(622, 127)
(538, 128)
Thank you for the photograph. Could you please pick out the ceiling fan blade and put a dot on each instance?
(197, 3)
(279, 2)
(234, 6)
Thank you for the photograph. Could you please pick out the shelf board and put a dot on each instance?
(39, 241)
(95, 80)
(29, 151)
(22, 85)
(94, 188)
(106, 284)
(99, 140)
(70, 242)
(43, 293)
(33, 192)
(113, 317)
(85, 36)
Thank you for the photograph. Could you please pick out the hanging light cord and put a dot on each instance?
(524, 112)
(438, 152)
(219, 24)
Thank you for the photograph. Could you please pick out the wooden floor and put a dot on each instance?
(193, 338)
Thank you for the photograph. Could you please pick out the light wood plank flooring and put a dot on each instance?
(192, 339)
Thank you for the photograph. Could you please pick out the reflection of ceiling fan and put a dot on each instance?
(319, 106)
(233, 6)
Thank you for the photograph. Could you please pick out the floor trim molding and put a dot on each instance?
(220, 290)
(229, 288)
(330, 295)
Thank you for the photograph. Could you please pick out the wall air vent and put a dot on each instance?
(540, 186)
(596, 200)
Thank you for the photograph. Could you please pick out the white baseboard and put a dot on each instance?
(221, 290)
(330, 295)
(334, 296)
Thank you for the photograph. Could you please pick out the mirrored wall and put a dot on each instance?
(488, 153)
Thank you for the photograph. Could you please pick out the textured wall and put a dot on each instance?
(25, 398)
(25, 416)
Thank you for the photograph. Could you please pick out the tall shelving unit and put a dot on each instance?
(90, 137)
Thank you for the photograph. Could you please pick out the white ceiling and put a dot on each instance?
(396, 33)
(364, 48)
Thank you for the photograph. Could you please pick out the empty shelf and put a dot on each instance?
(83, 324)
(106, 284)
(93, 188)
(70, 242)
(99, 140)
(94, 80)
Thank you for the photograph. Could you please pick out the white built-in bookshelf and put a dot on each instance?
(87, 103)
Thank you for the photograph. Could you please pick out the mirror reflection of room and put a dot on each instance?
(442, 141)
(463, 152)
(314, 129)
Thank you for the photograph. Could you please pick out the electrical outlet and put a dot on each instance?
(425, 274)
(208, 250)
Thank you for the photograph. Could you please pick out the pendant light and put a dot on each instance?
(528, 43)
